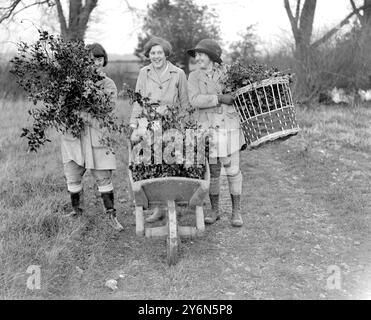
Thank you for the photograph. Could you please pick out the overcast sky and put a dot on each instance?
(117, 29)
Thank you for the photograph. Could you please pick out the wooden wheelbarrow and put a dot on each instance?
(170, 191)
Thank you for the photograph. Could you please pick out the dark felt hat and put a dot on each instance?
(98, 51)
(210, 47)
(157, 41)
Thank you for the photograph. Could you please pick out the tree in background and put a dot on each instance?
(78, 18)
(181, 22)
(354, 48)
(73, 28)
(244, 49)
(307, 52)
(302, 29)
(363, 15)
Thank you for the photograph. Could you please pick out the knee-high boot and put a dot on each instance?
(214, 215)
(76, 202)
(108, 202)
(236, 220)
(235, 188)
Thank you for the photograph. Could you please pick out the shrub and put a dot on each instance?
(173, 118)
(63, 77)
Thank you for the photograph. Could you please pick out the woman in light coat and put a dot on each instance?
(162, 83)
(215, 110)
(87, 152)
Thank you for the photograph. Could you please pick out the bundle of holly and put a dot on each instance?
(187, 164)
(61, 80)
(262, 98)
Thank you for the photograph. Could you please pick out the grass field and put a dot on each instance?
(306, 204)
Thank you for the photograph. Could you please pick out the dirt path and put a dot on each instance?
(307, 205)
(305, 211)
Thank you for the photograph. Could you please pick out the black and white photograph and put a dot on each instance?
(201, 152)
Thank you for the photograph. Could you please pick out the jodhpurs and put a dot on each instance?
(231, 165)
(74, 174)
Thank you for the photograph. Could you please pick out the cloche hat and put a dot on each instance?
(210, 47)
(157, 41)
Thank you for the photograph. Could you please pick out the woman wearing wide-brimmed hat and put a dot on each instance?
(215, 110)
(162, 83)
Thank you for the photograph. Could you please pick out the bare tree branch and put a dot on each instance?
(298, 4)
(302, 23)
(136, 14)
(62, 18)
(36, 3)
(364, 18)
(367, 14)
(293, 20)
(74, 13)
(9, 7)
(306, 20)
(79, 16)
(73, 28)
(334, 30)
(360, 17)
(87, 10)
(9, 10)
(130, 8)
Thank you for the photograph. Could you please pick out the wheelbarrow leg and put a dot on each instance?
(139, 221)
(172, 237)
(200, 221)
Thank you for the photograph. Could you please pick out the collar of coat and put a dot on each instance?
(218, 72)
(171, 69)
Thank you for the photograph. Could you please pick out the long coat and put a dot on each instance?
(168, 89)
(203, 91)
(87, 151)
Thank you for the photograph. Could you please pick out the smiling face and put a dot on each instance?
(203, 61)
(157, 57)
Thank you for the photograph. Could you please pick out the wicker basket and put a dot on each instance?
(266, 111)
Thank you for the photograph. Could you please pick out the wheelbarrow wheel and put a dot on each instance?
(172, 242)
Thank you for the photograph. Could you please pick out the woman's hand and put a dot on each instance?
(225, 99)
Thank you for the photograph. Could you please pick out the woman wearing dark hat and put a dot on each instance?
(215, 110)
(162, 83)
(87, 152)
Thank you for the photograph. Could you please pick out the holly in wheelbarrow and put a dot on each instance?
(166, 169)
(170, 192)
